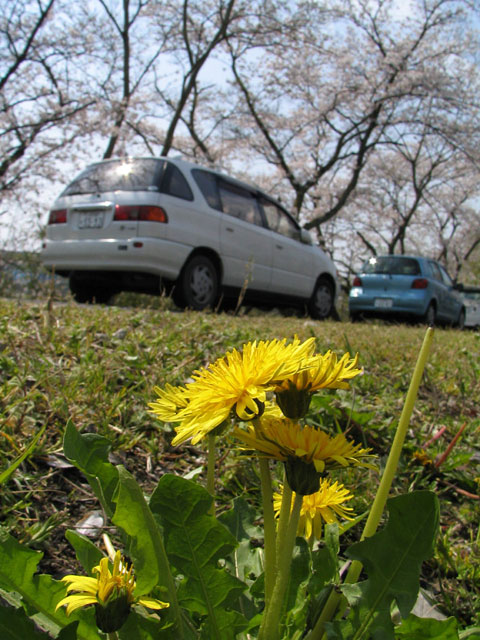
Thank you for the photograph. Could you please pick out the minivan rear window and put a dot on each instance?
(393, 265)
(116, 175)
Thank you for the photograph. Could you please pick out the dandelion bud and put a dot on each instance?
(111, 615)
(293, 402)
(303, 478)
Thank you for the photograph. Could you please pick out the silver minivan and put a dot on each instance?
(165, 224)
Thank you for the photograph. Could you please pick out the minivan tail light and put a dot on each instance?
(152, 214)
(420, 283)
(57, 216)
(140, 212)
(357, 282)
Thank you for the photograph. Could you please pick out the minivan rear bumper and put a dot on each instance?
(156, 256)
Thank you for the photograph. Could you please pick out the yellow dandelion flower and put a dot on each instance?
(326, 505)
(112, 593)
(306, 451)
(238, 381)
(423, 458)
(318, 372)
(281, 439)
(170, 400)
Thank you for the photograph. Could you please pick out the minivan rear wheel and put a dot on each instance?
(321, 302)
(197, 287)
(84, 291)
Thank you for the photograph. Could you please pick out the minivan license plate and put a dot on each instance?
(90, 220)
(383, 303)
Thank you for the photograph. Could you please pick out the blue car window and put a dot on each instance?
(445, 277)
(392, 265)
(435, 271)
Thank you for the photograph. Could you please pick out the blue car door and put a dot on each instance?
(453, 303)
(448, 307)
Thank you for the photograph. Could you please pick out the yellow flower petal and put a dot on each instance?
(152, 603)
(300, 453)
(75, 602)
(81, 583)
(322, 372)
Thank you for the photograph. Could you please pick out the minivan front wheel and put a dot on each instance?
(321, 302)
(430, 315)
(198, 284)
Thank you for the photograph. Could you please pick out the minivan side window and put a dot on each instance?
(174, 184)
(279, 221)
(207, 183)
(239, 203)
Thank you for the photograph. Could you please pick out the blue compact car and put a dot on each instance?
(399, 287)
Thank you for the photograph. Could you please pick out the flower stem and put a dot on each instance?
(270, 627)
(112, 635)
(269, 529)
(383, 490)
(284, 518)
(211, 470)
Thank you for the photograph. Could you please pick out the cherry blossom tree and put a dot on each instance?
(193, 109)
(37, 96)
(348, 77)
(412, 200)
(128, 50)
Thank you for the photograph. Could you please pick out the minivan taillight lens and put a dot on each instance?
(140, 212)
(57, 216)
(357, 282)
(420, 283)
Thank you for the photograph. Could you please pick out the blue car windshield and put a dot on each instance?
(392, 265)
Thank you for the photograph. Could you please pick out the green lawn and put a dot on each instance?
(97, 367)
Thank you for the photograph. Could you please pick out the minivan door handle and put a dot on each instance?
(229, 229)
(279, 246)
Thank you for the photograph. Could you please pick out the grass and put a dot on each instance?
(97, 367)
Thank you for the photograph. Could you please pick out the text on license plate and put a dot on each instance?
(90, 220)
(383, 303)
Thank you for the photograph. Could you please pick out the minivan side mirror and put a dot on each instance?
(458, 286)
(305, 236)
